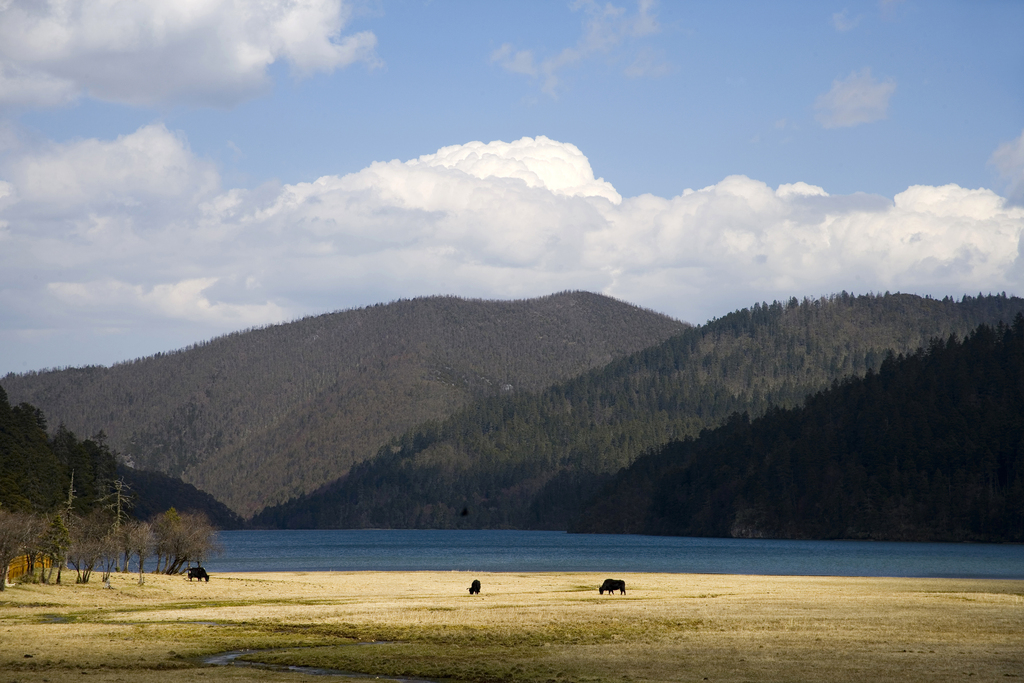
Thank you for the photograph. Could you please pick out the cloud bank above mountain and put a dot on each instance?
(152, 52)
(101, 239)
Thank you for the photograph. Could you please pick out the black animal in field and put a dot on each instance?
(474, 588)
(198, 573)
(612, 585)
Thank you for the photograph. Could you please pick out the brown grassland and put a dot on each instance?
(523, 627)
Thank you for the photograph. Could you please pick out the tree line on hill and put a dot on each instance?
(532, 459)
(260, 416)
(36, 470)
(62, 504)
(929, 448)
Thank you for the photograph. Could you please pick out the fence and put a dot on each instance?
(20, 566)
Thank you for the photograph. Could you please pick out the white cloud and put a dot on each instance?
(799, 190)
(151, 51)
(517, 62)
(149, 240)
(857, 99)
(182, 300)
(648, 63)
(20, 87)
(605, 28)
(556, 166)
(150, 164)
(843, 23)
(645, 23)
(1009, 161)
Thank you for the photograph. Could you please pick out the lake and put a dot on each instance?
(555, 551)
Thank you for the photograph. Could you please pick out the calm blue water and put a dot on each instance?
(547, 551)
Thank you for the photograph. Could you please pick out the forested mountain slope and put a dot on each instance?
(36, 471)
(531, 460)
(259, 416)
(930, 448)
(153, 493)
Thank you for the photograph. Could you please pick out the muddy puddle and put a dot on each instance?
(233, 658)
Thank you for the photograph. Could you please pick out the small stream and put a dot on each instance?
(232, 658)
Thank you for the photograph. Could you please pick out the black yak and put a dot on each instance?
(474, 589)
(198, 573)
(612, 585)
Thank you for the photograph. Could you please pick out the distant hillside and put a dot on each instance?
(532, 459)
(153, 493)
(36, 472)
(257, 417)
(930, 448)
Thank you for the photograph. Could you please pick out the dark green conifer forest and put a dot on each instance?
(533, 459)
(36, 471)
(929, 448)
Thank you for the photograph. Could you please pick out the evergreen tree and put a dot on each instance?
(930, 447)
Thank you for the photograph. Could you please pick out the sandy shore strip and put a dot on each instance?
(523, 626)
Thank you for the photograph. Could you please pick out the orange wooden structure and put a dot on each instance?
(19, 566)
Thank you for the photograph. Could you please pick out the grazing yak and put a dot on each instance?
(198, 573)
(612, 585)
(474, 589)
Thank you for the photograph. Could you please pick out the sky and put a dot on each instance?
(172, 172)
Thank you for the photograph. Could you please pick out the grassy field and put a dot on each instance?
(523, 627)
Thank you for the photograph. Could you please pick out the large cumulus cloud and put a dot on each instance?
(158, 52)
(138, 232)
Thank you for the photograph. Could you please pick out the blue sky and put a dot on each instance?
(159, 168)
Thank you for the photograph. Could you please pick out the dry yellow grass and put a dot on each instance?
(523, 627)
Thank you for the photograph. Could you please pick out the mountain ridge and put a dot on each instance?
(525, 461)
(259, 416)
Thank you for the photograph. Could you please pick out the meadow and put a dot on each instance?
(543, 627)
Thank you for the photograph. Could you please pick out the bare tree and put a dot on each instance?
(118, 502)
(123, 541)
(182, 538)
(17, 534)
(138, 541)
(54, 545)
(91, 543)
(36, 532)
